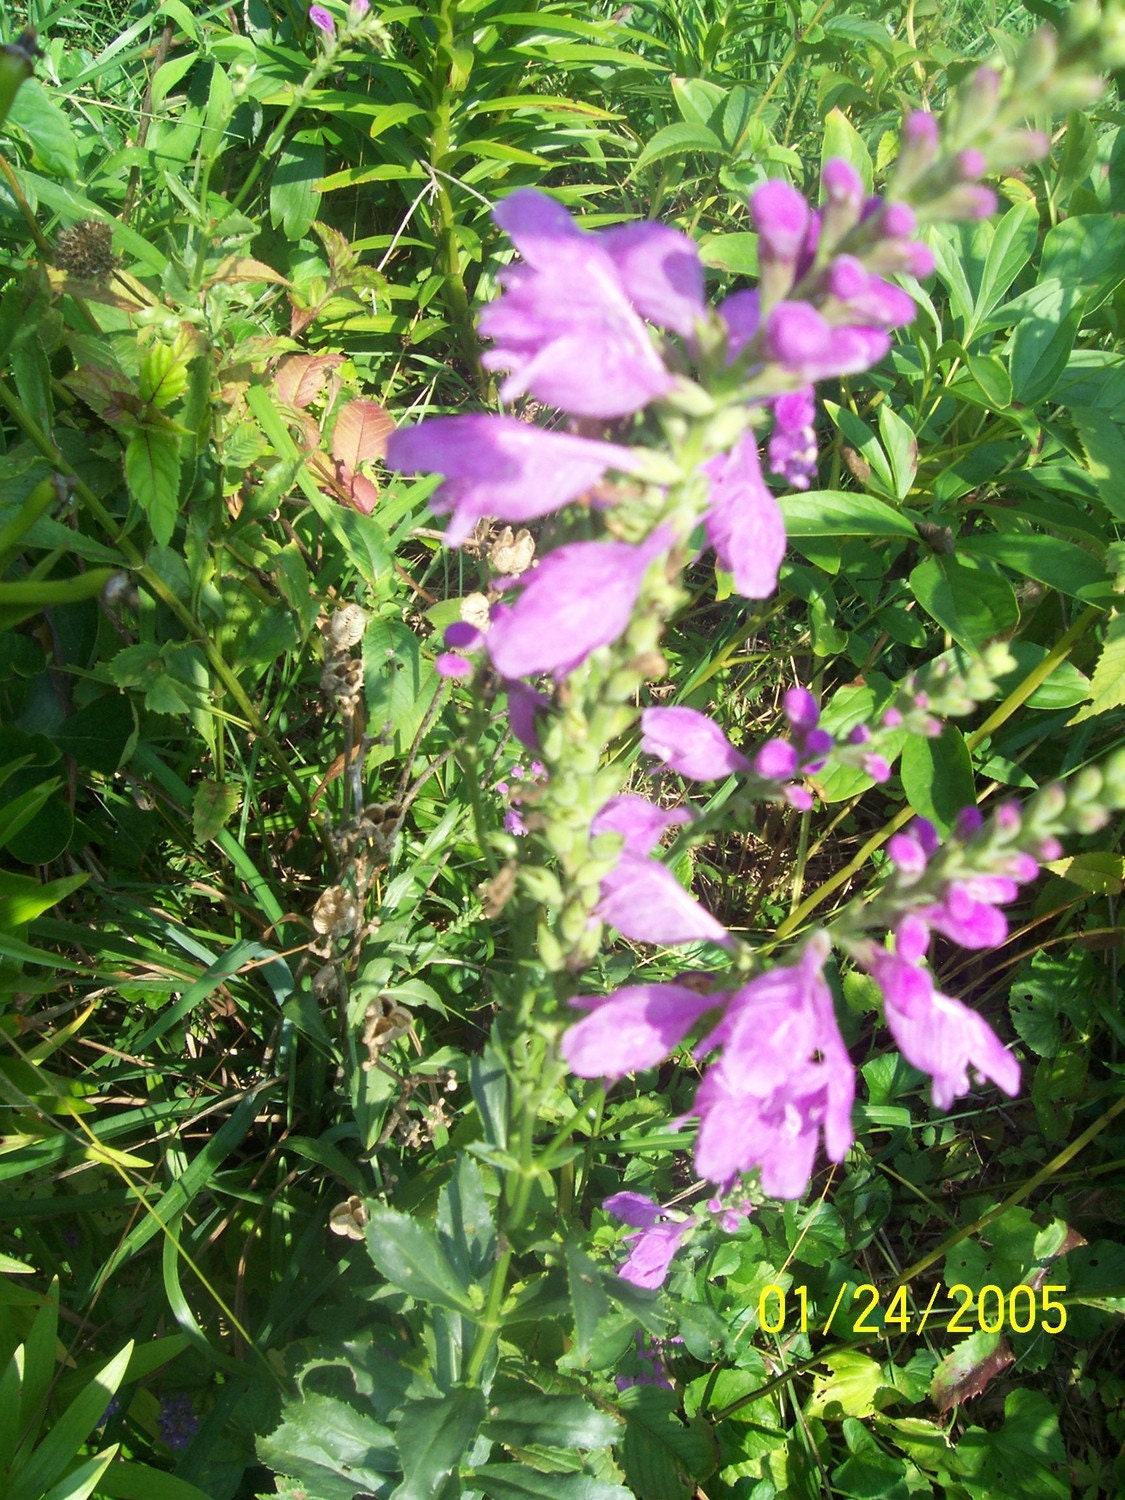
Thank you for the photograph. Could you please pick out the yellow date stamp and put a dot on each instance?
(1022, 1309)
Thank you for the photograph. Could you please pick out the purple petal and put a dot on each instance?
(579, 597)
(646, 902)
(633, 1029)
(744, 522)
(322, 20)
(634, 1209)
(502, 467)
(640, 822)
(652, 1254)
(781, 217)
(661, 272)
(776, 760)
(742, 313)
(690, 743)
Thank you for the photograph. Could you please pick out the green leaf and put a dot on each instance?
(433, 1437)
(588, 1301)
(69, 1432)
(972, 600)
(294, 199)
(1013, 243)
(519, 1482)
(842, 513)
(1048, 559)
(1107, 685)
(399, 682)
(1025, 1456)
(1103, 443)
(41, 120)
(517, 1420)
(152, 472)
(409, 1254)
(848, 1389)
(664, 1458)
(1044, 336)
(937, 776)
(679, 140)
(331, 1446)
(135, 1481)
(842, 139)
(213, 805)
(902, 449)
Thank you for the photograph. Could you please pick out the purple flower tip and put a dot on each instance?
(920, 129)
(842, 183)
(322, 20)
(800, 708)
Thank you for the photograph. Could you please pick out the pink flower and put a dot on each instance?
(936, 1034)
(578, 598)
(690, 743)
(566, 326)
(322, 20)
(744, 522)
(501, 467)
(782, 1078)
(641, 897)
(655, 1243)
(634, 1028)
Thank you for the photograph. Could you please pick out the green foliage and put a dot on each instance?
(273, 1146)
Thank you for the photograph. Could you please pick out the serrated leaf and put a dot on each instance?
(152, 472)
(969, 1369)
(517, 1419)
(433, 1436)
(361, 432)
(679, 140)
(213, 804)
(1107, 685)
(520, 1482)
(409, 1254)
(588, 1301)
(163, 375)
(300, 378)
(664, 1457)
(335, 1449)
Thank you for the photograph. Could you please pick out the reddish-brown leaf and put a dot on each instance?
(361, 433)
(300, 378)
(969, 1369)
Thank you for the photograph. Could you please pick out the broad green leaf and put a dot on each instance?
(213, 806)
(937, 776)
(736, 253)
(1013, 243)
(1048, 559)
(848, 1388)
(408, 1253)
(434, 1437)
(662, 1455)
(43, 123)
(152, 472)
(1098, 871)
(842, 513)
(1025, 1456)
(331, 1446)
(294, 199)
(1043, 339)
(520, 1482)
(679, 140)
(1087, 252)
(399, 682)
(588, 1301)
(517, 1420)
(869, 1473)
(1107, 685)
(972, 601)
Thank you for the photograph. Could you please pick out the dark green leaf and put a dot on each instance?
(434, 1436)
(409, 1254)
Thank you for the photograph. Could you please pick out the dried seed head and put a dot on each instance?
(345, 628)
(512, 552)
(342, 681)
(348, 1218)
(475, 610)
(335, 912)
(384, 1021)
(86, 250)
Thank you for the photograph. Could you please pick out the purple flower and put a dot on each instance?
(564, 325)
(177, 1420)
(654, 1244)
(690, 743)
(635, 1028)
(792, 446)
(322, 20)
(936, 1034)
(661, 272)
(783, 1076)
(802, 341)
(639, 896)
(578, 598)
(502, 467)
(781, 216)
(744, 522)
(645, 902)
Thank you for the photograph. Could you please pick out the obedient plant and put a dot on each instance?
(673, 415)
